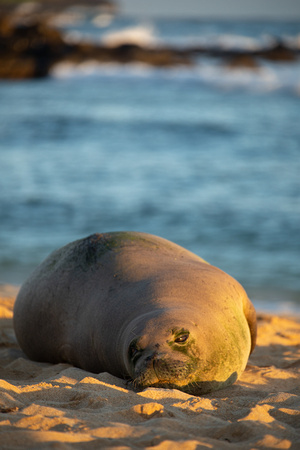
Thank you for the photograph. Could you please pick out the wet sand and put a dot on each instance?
(59, 406)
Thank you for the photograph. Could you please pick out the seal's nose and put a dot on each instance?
(151, 358)
(145, 359)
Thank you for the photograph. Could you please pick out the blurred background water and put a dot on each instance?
(204, 156)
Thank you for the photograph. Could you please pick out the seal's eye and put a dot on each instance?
(182, 339)
(133, 351)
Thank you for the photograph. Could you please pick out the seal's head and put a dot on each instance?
(173, 352)
(167, 363)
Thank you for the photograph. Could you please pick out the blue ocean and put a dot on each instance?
(203, 155)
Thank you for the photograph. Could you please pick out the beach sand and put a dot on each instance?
(59, 406)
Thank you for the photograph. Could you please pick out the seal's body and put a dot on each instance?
(139, 307)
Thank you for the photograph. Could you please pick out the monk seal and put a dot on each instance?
(139, 307)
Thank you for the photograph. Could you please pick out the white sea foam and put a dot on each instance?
(233, 42)
(143, 35)
(93, 68)
(261, 79)
(102, 20)
(66, 18)
(267, 77)
(224, 41)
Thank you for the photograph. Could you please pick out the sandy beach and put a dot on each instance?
(59, 406)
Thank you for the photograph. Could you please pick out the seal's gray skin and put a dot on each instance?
(139, 307)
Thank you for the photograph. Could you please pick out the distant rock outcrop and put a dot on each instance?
(29, 50)
(280, 53)
(242, 62)
(30, 47)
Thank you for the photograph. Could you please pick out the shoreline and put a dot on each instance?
(45, 405)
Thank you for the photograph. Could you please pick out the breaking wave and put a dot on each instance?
(267, 77)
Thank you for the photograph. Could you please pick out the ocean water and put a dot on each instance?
(204, 156)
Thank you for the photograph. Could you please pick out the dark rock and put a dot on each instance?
(159, 57)
(18, 68)
(28, 51)
(279, 53)
(242, 61)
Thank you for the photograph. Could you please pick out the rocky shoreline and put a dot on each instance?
(30, 46)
